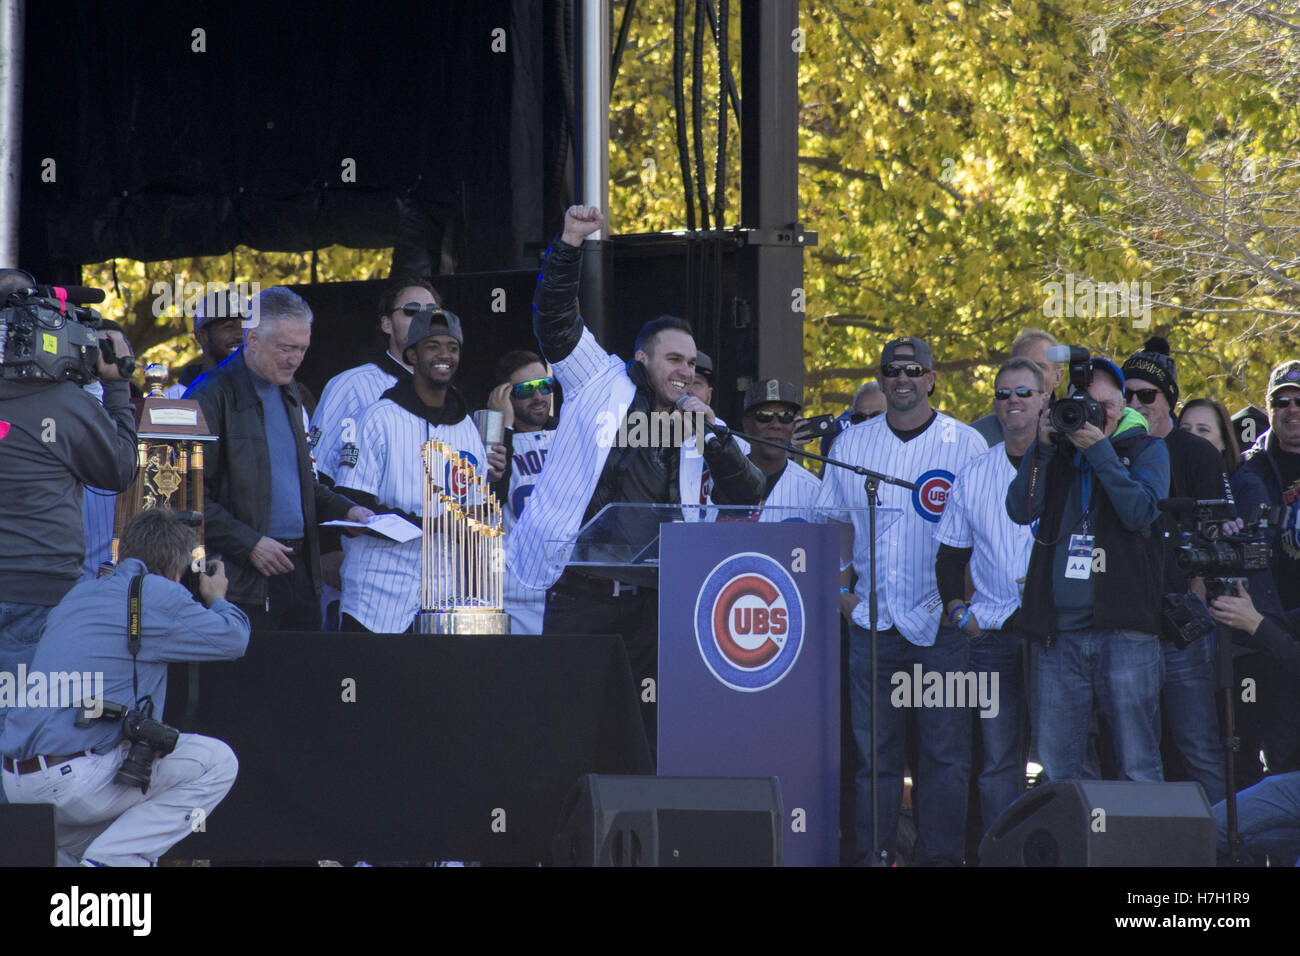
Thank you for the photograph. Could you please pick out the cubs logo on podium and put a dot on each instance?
(749, 622)
(931, 493)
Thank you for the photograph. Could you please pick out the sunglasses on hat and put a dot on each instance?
(537, 386)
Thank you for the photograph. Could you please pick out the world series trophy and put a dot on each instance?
(170, 435)
(461, 561)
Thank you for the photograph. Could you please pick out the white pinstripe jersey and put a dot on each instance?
(381, 579)
(906, 586)
(976, 517)
(346, 395)
(528, 454)
(796, 488)
(597, 395)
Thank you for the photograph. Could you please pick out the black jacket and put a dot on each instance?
(1259, 481)
(237, 477)
(558, 326)
(54, 439)
(1126, 596)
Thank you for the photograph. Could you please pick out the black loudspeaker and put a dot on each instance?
(671, 821)
(27, 835)
(1104, 823)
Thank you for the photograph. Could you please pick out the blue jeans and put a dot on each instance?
(20, 630)
(1268, 817)
(1188, 701)
(1121, 671)
(1002, 777)
(943, 774)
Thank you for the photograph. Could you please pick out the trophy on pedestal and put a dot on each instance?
(170, 434)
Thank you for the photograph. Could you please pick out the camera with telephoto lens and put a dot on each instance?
(1070, 414)
(149, 739)
(47, 337)
(1221, 560)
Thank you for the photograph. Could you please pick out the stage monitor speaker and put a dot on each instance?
(27, 835)
(671, 821)
(1104, 823)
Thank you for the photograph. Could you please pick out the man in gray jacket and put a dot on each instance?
(55, 438)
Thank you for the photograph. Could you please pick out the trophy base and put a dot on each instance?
(462, 622)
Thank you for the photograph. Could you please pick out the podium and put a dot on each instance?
(749, 646)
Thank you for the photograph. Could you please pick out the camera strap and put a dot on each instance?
(134, 610)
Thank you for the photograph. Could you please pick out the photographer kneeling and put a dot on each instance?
(55, 755)
(1268, 814)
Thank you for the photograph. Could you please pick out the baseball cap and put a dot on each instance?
(772, 390)
(1286, 375)
(217, 307)
(430, 322)
(704, 364)
(920, 352)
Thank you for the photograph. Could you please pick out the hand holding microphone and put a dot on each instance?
(689, 405)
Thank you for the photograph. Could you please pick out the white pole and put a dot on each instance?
(12, 16)
(594, 96)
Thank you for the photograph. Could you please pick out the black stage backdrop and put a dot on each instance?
(451, 747)
(162, 151)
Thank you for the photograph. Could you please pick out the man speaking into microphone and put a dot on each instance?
(603, 452)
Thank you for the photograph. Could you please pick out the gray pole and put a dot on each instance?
(12, 16)
(593, 161)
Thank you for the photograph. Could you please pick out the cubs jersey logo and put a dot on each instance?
(749, 622)
(460, 475)
(931, 493)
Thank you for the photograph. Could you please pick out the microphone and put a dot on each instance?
(76, 294)
(711, 432)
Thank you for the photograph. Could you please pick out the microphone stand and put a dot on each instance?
(872, 481)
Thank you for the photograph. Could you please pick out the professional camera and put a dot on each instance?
(47, 335)
(149, 738)
(1220, 559)
(1070, 414)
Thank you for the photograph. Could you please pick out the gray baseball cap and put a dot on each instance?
(433, 321)
(772, 390)
(704, 364)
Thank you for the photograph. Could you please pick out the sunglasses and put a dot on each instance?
(766, 415)
(1023, 391)
(857, 417)
(1144, 395)
(542, 386)
(1284, 402)
(912, 370)
(414, 308)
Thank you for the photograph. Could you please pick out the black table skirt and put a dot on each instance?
(454, 748)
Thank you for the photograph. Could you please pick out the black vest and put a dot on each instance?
(1127, 594)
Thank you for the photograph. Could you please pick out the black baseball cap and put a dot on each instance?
(430, 322)
(772, 390)
(920, 352)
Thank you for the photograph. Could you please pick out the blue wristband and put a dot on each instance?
(844, 590)
(965, 618)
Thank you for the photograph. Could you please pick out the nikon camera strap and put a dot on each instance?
(133, 612)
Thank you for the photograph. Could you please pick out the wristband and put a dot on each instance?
(965, 619)
(953, 613)
(844, 590)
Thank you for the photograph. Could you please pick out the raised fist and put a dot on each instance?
(580, 222)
